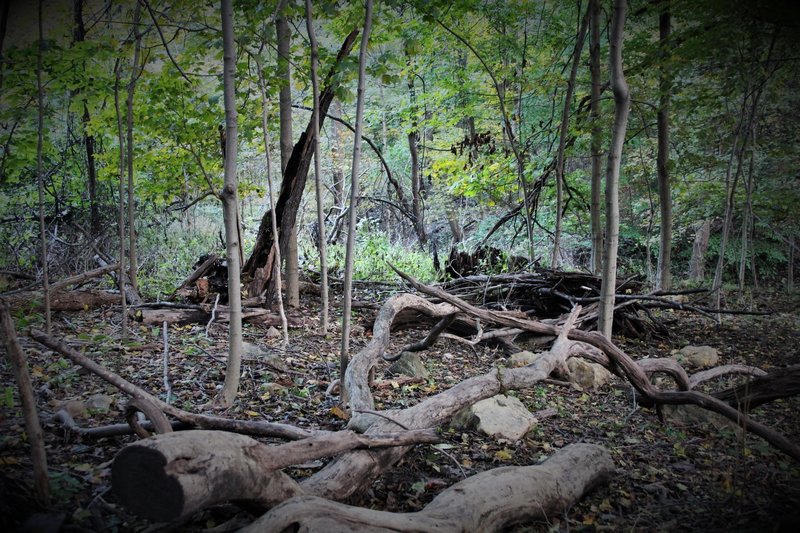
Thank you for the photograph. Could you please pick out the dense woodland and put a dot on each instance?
(232, 221)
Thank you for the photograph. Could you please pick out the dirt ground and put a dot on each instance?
(668, 478)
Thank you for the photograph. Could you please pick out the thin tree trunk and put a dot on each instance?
(276, 268)
(597, 135)
(285, 104)
(322, 241)
(619, 87)
(354, 194)
(230, 201)
(121, 208)
(699, 249)
(747, 215)
(135, 71)
(40, 174)
(95, 227)
(6, 8)
(562, 139)
(33, 429)
(790, 266)
(413, 150)
(663, 275)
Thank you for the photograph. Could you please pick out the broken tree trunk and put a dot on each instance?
(489, 501)
(292, 186)
(173, 475)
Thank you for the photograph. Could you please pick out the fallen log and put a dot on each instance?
(156, 314)
(75, 300)
(173, 475)
(780, 383)
(489, 501)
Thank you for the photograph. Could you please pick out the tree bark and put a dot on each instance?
(95, 227)
(697, 263)
(122, 274)
(489, 501)
(230, 211)
(276, 264)
(289, 251)
(40, 174)
(322, 244)
(27, 397)
(621, 101)
(133, 261)
(663, 275)
(562, 138)
(347, 297)
(596, 143)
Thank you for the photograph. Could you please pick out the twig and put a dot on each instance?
(213, 314)
(167, 386)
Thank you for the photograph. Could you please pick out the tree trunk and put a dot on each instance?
(596, 146)
(122, 274)
(230, 211)
(347, 295)
(621, 100)
(562, 139)
(33, 428)
(790, 266)
(40, 173)
(663, 276)
(3, 27)
(276, 266)
(95, 227)
(697, 263)
(133, 262)
(293, 184)
(289, 251)
(321, 239)
(413, 149)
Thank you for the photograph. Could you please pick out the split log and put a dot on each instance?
(76, 300)
(780, 383)
(173, 475)
(489, 501)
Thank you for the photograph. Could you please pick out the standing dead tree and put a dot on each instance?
(292, 186)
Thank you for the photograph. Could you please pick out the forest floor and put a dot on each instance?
(668, 478)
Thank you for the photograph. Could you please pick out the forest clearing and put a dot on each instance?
(496, 265)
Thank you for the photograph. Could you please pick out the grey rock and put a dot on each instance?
(409, 364)
(499, 416)
(586, 374)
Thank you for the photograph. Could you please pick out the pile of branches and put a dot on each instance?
(548, 294)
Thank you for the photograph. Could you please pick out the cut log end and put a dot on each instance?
(139, 479)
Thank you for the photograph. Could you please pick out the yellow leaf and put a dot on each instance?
(395, 385)
(338, 412)
(503, 455)
(252, 413)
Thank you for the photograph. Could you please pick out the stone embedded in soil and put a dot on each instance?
(697, 356)
(499, 416)
(409, 364)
